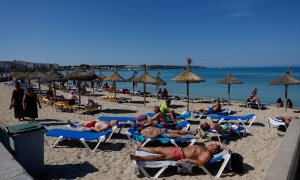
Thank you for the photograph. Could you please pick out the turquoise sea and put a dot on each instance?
(257, 77)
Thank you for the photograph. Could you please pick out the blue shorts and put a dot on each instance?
(210, 111)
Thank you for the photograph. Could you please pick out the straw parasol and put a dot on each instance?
(53, 76)
(80, 74)
(146, 79)
(188, 77)
(229, 79)
(285, 80)
(160, 82)
(115, 77)
(134, 79)
(37, 74)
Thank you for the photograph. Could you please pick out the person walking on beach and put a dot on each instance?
(30, 103)
(17, 102)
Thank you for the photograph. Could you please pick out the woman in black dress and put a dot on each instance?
(17, 102)
(30, 103)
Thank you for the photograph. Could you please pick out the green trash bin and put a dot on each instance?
(27, 142)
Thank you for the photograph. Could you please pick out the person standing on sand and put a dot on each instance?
(30, 103)
(17, 102)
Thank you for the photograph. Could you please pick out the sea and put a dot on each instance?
(252, 77)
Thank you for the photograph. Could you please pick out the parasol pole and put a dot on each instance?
(39, 85)
(144, 94)
(188, 95)
(229, 92)
(79, 91)
(115, 90)
(285, 95)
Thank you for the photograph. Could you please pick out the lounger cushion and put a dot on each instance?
(75, 134)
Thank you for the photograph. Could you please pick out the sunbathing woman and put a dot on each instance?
(95, 125)
(154, 132)
(253, 97)
(215, 108)
(197, 155)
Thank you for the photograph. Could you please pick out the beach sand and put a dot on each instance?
(111, 161)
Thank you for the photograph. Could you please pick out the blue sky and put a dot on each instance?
(211, 32)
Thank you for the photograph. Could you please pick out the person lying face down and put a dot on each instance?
(154, 132)
(195, 154)
(220, 128)
(216, 107)
(95, 125)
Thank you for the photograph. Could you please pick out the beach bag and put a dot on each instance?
(237, 164)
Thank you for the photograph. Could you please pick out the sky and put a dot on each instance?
(213, 33)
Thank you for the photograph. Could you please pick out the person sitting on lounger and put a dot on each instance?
(287, 119)
(154, 132)
(164, 108)
(279, 103)
(159, 117)
(94, 125)
(220, 128)
(253, 97)
(216, 107)
(195, 154)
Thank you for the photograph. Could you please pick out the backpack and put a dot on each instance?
(237, 163)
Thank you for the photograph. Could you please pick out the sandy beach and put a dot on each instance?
(111, 161)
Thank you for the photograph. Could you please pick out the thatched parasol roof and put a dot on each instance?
(229, 79)
(115, 77)
(36, 74)
(286, 79)
(133, 78)
(160, 82)
(187, 76)
(81, 75)
(53, 75)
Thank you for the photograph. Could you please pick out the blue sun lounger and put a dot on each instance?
(224, 112)
(183, 115)
(240, 129)
(162, 165)
(134, 135)
(249, 118)
(82, 136)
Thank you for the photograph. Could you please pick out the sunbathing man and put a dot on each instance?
(220, 128)
(95, 125)
(216, 107)
(195, 154)
(154, 132)
(287, 119)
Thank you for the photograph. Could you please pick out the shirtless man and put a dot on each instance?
(218, 127)
(195, 154)
(154, 132)
(95, 125)
(253, 97)
(215, 108)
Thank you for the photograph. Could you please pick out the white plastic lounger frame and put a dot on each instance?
(276, 122)
(82, 140)
(141, 165)
(250, 121)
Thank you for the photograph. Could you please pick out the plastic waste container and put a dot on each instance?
(27, 142)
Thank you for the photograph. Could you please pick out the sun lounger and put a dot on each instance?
(238, 130)
(276, 122)
(224, 112)
(250, 118)
(184, 115)
(134, 135)
(256, 106)
(141, 165)
(83, 136)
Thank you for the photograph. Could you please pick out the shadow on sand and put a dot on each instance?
(67, 171)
